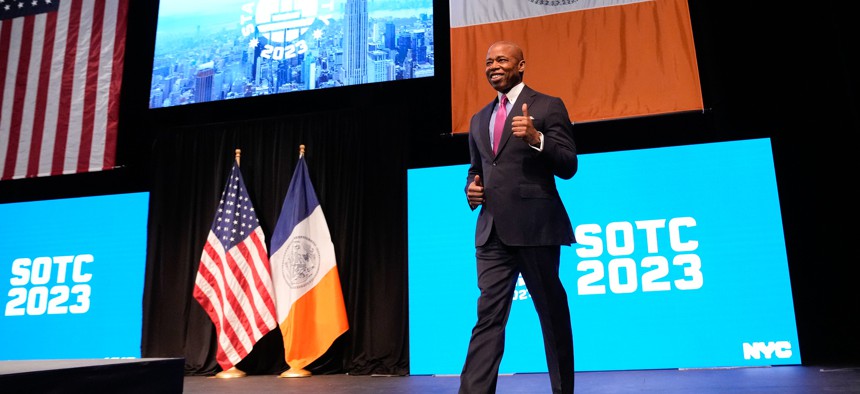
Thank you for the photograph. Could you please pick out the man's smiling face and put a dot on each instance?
(505, 66)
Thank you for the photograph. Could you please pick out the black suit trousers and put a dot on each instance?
(499, 267)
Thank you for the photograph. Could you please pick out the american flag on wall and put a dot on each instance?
(60, 75)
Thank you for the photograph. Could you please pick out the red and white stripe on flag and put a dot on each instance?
(234, 280)
(60, 75)
(606, 59)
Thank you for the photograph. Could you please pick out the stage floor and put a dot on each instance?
(759, 380)
(128, 376)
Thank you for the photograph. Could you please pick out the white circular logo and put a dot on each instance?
(301, 262)
(281, 26)
(282, 22)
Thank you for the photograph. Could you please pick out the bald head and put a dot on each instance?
(505, 65)
(511, 46)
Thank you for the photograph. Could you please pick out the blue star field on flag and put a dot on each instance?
(236, 218)
(14, 8)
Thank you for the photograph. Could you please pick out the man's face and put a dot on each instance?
(504, 67)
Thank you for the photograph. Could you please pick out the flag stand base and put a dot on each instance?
(295, 373)
(230, 373)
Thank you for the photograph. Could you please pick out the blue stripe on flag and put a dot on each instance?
(300, 202)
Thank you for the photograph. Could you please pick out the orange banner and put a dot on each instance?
(609, 62)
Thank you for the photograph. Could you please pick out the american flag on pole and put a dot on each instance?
(60, 74)
(234, 282)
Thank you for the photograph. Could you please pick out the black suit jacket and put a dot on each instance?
(520, 195)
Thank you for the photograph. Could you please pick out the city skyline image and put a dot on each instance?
(228, 49)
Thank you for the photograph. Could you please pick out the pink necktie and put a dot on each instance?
(499, 126)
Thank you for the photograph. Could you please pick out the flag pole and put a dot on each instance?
(233, 372)
(297, 372)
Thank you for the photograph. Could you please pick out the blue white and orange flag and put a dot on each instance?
(309, 298)
(234, 283)
(606, 59)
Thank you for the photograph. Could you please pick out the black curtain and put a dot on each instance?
(358, 167)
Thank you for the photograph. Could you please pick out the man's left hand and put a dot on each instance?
(524, 128)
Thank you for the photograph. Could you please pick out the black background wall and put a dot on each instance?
(767, 70)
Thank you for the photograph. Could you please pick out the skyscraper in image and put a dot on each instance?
(203, 82)
(355, 42)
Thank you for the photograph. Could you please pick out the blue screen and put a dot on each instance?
(210, 50)
(71, 277)
(680, 263)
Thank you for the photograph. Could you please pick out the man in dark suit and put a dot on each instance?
(522, 223)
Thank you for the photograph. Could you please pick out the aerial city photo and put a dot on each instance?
(210, 50)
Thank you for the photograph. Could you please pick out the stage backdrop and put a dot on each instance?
(681, 263)
(71, 277)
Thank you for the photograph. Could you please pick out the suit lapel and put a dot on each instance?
(484, 133)
(526, 96)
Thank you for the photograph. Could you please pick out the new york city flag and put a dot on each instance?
(309, 298)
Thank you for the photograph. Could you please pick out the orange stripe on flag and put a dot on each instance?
(604, 63)
(314, 322)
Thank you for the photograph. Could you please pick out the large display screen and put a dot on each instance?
(210, 50)
(681, 263)
(71, 277)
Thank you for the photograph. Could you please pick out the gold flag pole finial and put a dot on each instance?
(301, 150)
(238, 155)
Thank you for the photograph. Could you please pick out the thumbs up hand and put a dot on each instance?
(523, 127)
(475, 192)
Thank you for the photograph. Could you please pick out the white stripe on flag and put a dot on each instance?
(52, 112)
(476, 12)
(29, 109)
(76, 111)
(315, 228)
(97, 153)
